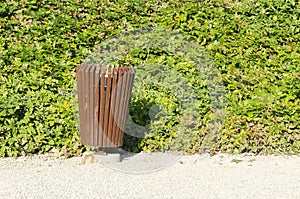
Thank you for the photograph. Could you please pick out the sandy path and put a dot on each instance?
(220, 176)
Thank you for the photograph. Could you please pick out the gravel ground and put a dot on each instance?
(220, 176)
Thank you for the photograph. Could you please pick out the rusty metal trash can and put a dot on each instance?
(103, 96)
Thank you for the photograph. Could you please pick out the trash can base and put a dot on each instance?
(103, 157)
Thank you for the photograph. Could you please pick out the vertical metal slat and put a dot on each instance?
(80, 85)
(122, 104)
(107, 107)
(112, 121)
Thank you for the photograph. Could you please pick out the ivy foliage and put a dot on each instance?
(254, 45)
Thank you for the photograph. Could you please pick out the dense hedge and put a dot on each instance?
(255, 45)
